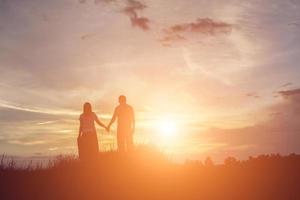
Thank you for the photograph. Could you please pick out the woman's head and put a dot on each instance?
(87, 108)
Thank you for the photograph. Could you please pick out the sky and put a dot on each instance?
(224, 74)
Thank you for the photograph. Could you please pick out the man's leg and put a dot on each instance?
(121, 142)
(129, 142)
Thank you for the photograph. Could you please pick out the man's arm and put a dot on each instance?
(99, 122)
(79, 131)
(133, 121)
(113, 119)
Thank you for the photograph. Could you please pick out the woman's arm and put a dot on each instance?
(79, 131)
(80, 127)
(99, 122)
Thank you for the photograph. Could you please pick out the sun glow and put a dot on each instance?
(167, 129)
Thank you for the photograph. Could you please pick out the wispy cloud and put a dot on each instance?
(53, 148)
(46, 122)
(290, 93)
(89, 35)
(37, 110)
(286, 85)
(65, 131)
(253, 95)
(285, 113)
(194, 66)
(27, 143)
(104, 1)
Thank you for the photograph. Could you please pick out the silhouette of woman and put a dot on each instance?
(87, 139)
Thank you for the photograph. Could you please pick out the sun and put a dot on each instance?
(167, 128)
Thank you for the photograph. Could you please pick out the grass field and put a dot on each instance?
(147, 174)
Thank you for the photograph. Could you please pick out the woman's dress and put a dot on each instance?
(88, 143)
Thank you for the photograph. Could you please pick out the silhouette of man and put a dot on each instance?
(126, 124)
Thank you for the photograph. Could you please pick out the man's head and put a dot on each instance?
(122, 99)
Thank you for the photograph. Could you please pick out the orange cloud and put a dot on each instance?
(131, 10)
(128, 7)
(205, 26)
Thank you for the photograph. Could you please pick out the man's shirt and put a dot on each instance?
(125, 116)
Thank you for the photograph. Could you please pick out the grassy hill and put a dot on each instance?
(147, 174)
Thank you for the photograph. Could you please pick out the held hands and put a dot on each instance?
(107, 128)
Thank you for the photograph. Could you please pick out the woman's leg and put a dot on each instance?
(94, 144)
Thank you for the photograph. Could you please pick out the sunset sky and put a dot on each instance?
(224, 73)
